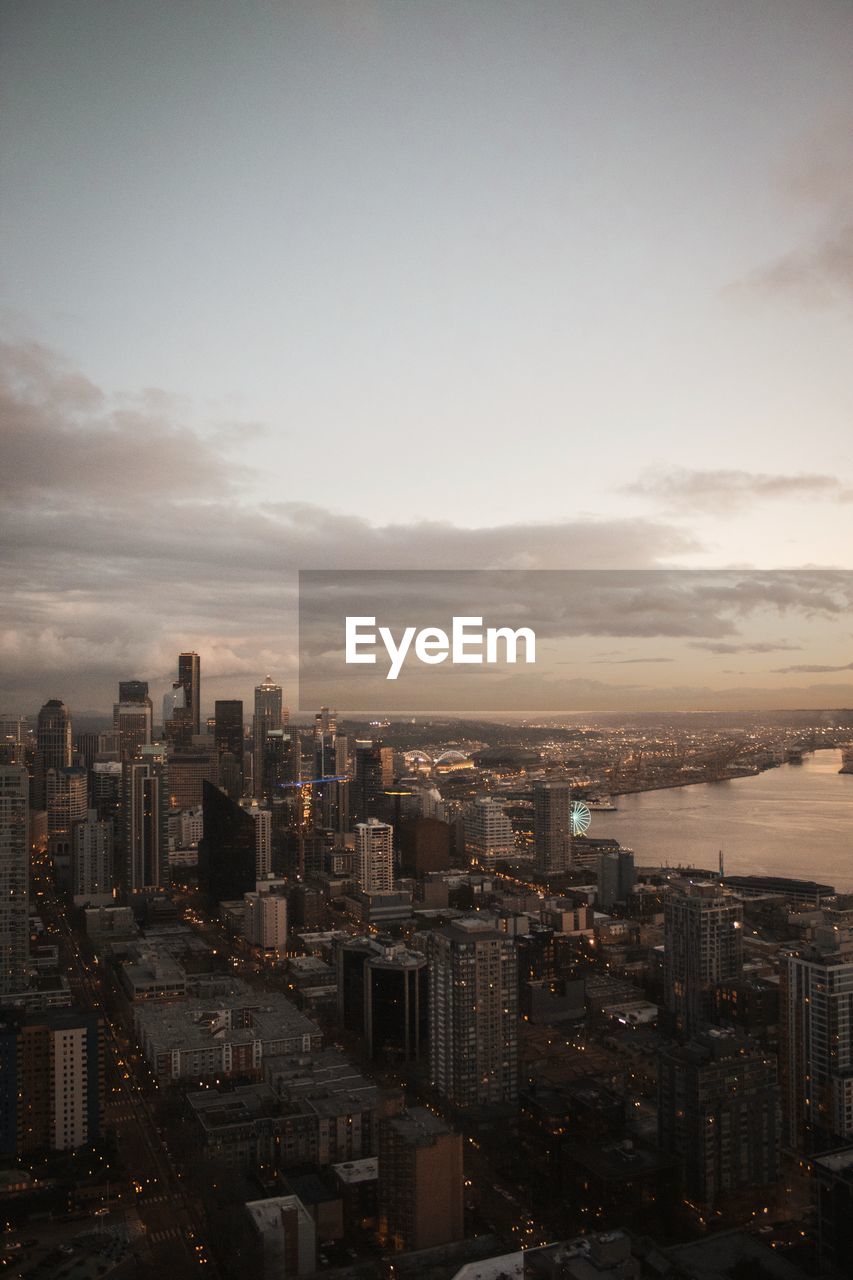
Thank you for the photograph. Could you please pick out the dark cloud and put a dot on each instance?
(682, 490)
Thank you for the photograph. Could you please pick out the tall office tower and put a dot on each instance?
(552, 827)
(424, 845)
(268, 717)
(133, 691)
(383, 995)
(14, 878)
(488, 832)
(265, 921)
(420, 1182)
(616, 877)
(146, 844)
(262, 818)
(189, 675)
(473, 1013)
(280, 764)
(228, 735)
(374, 856)
(718, 1110)
(177, 716)
(703, 946)
(330, 800)
(227, 852)
(13, 740)
(106, 783)
(53, 1061)
(53, 747)
(187, 770)
(67, 799)
(374, 774)
(816, 1050)
(92, 861)
(133, 722)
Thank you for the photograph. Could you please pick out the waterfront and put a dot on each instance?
(796, 820)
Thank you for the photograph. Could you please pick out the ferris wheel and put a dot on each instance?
(580, 818)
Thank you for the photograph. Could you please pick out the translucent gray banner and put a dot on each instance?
(520, 643)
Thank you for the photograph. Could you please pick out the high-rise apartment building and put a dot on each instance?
(13, 739)
(816, 1050)
(552, 827)
(719, 1112)
(53, 746)
(268, 715)
(146, 844)
(14, 878)
(265, 921)
(489, 836)
(703, 946)
(92, 861)
(374, 856)
(189, 675)
(473, 1022)
(420, 1181)
(67, 799)
(52, 1090)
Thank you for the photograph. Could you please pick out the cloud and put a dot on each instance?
(626, 662)
(131, 535)
(806, 668)
(683, 490)
(725, 646)
(819, 273)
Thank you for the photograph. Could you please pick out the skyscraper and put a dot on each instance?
(53, 746)
(615, 877)
(67, 799)
(816, 1051)
(189, 675)
(55, 1059)
(703, 946)
(133, 722)
(268, 716)
(227, 852)
(374, 773)
(228, 735)
(552, 827)
(146, 831)
(374, 856)
(420, 1181)
(133, 691)
(488, 832)
(14, 878)
(473, 1007)
(718, 1110)
(92, 861)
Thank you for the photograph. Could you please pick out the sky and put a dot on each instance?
(361, 283)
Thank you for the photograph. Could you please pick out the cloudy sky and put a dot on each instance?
(346, 283)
